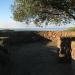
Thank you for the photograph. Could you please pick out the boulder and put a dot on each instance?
(73, 50)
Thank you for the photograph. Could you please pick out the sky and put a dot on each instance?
(7, 22)
(5, 9)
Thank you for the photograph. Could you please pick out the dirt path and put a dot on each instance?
(37, 59)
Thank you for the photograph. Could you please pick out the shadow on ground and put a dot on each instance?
(37, 59)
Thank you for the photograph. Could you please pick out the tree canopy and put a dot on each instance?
(44, 10)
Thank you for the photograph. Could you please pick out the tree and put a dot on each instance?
(44, 10)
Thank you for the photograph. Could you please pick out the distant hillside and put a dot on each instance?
(71, 29)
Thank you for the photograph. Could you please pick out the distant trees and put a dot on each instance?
(44, 10)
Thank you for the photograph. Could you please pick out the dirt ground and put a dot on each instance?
(36, 59)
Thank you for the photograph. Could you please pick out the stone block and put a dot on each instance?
(73, 50)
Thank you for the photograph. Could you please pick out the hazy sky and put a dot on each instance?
(5, 9)
(6, 20)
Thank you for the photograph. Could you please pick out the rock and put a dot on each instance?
(73, 50)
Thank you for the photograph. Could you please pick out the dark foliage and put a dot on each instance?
(43, 10)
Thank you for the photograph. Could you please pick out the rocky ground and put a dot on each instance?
(35, 58)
